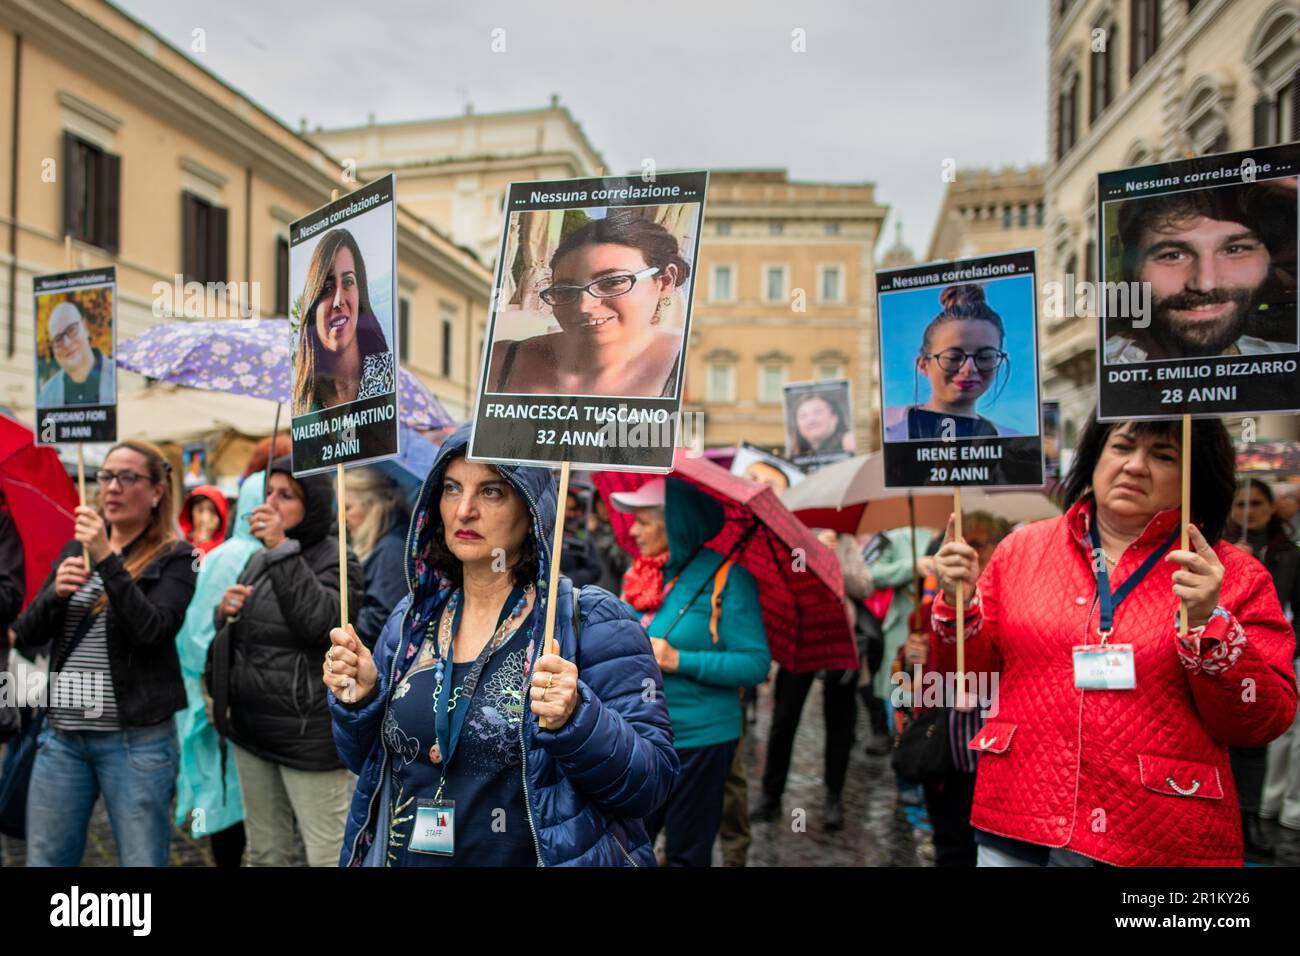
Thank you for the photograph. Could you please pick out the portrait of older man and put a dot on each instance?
(1221, 268)
(85, 375)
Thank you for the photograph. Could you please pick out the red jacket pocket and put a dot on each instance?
(993, 737)
(1180, 778)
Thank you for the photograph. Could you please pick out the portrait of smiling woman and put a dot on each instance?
(961, 358)
(612, 281)
(341, 354)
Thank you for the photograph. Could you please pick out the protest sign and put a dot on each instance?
(1198, 309)
(586, 340)
(959, 375)
(818, 422)
(76, 343)
(342, 261)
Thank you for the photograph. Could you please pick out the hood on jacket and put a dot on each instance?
(251, 494)
(186, 517)
(535, 485)
(318, 500)
(691, 517)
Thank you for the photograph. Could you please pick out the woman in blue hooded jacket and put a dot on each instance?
(472, 745)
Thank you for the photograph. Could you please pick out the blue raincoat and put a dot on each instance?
(198, 786)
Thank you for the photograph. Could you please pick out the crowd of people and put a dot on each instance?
(199, 676)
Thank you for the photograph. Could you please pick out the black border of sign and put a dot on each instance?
(515, 443)
(310, 447)
(903, 470)
(1110, 188)
(106, 430)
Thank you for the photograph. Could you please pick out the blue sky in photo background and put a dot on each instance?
(903, 318)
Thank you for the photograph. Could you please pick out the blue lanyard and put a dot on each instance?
(448, 723)
(1109, 602)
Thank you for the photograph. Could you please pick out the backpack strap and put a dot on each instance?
(719, 582)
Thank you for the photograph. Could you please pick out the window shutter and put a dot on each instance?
(69, 184)
(281, 276)
(189, 238)
(403, 329)
(1295, 104)
(108, 170)
(216, 264)
(1262, 118)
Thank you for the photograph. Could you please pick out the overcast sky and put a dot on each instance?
(886, 90)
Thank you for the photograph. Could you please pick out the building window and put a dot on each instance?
(1067, 120)
(1038, 214)
(774, 284)
(1144, 33)
(722, 289)
(722, 383)
(403, 329)
(1006, 217)
(830, 289)
(1273, 58)
(1024, 216)
(723, 229)
(775, 228)
(1101, 75)
(1204, 123)
(832, 228)
(771, 383)
(204, 240)
(91, 186)
(827, 372)
(448, 318)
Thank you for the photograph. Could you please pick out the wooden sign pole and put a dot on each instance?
(549, 644)
(961, 595)
(81, 456)
(1187, 508)
(341, 495)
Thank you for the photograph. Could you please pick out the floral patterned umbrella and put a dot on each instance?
(249, 357)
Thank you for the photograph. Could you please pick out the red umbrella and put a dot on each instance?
(800, 586)
(40, 498)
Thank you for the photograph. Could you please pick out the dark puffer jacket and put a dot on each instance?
(269, 657)
(588, 785)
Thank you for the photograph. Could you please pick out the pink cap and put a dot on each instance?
(649, 495)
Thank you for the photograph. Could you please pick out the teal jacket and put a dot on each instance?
(703, 694)
(893, 569)
(198, 785)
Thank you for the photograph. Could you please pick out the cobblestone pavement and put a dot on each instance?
(880, 828)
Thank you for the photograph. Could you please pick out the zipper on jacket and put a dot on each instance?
(623, 848)
(383, 766)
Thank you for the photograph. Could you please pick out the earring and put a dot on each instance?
(663, 304)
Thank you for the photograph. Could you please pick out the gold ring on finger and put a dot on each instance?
(550, 679)
(544, 690)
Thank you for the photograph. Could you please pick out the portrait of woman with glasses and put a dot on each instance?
(612, 281)
(961, 357)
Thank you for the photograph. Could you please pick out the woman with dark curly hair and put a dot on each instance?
(612, 280)
(342, 355)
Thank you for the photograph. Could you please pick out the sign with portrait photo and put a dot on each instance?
(959, 373)
(1198, 305)
(76, 347)
(765, 468)
(343, 274)
(586, 341)
(818, 422)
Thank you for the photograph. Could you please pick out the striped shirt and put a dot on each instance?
(81, 697)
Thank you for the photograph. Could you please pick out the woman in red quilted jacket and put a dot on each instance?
(1118, 752)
